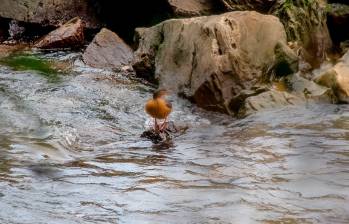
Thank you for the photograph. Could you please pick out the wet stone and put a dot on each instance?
(168, 134)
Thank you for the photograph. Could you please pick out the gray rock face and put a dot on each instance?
(49, 12)
(71, 34)
(211, 59)
(107, 50)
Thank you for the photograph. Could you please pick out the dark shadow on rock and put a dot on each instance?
(123, 17)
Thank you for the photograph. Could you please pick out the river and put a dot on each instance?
(71, 152)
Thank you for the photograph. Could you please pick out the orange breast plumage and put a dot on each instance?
(158, 108)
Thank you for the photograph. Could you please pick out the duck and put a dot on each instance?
(159, 108)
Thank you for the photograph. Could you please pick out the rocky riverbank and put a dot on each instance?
(234, 57)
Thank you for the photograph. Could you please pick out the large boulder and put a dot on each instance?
(212, 59)
(337, 78)
(189, 8)
(70, 34)
(49, 12)
(107, 50)
(305, 22)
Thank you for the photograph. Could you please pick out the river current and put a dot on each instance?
(71, 152)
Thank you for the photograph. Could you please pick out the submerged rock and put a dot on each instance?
(69, 35)
(337, 78)
(107, 50)
(49, 12)
(212, 59)
(25, 61)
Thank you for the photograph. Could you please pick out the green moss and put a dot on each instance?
(296, 3)
(29, 62)
(328, 8)
(288, 4)
(308, 2)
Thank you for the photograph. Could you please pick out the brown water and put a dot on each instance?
(70, 152)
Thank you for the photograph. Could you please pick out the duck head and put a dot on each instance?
(160, 94)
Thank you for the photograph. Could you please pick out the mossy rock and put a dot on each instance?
(29, 62)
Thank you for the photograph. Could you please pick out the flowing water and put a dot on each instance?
(70, 152)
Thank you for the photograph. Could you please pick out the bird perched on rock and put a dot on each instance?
(159, 109)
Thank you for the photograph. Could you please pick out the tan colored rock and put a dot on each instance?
(309, 90)
(190, 8)
(267, 101)
(292, 90)
(70, 34)
(49, 12)
(211, 59)
(107, 50)
(337, 78)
